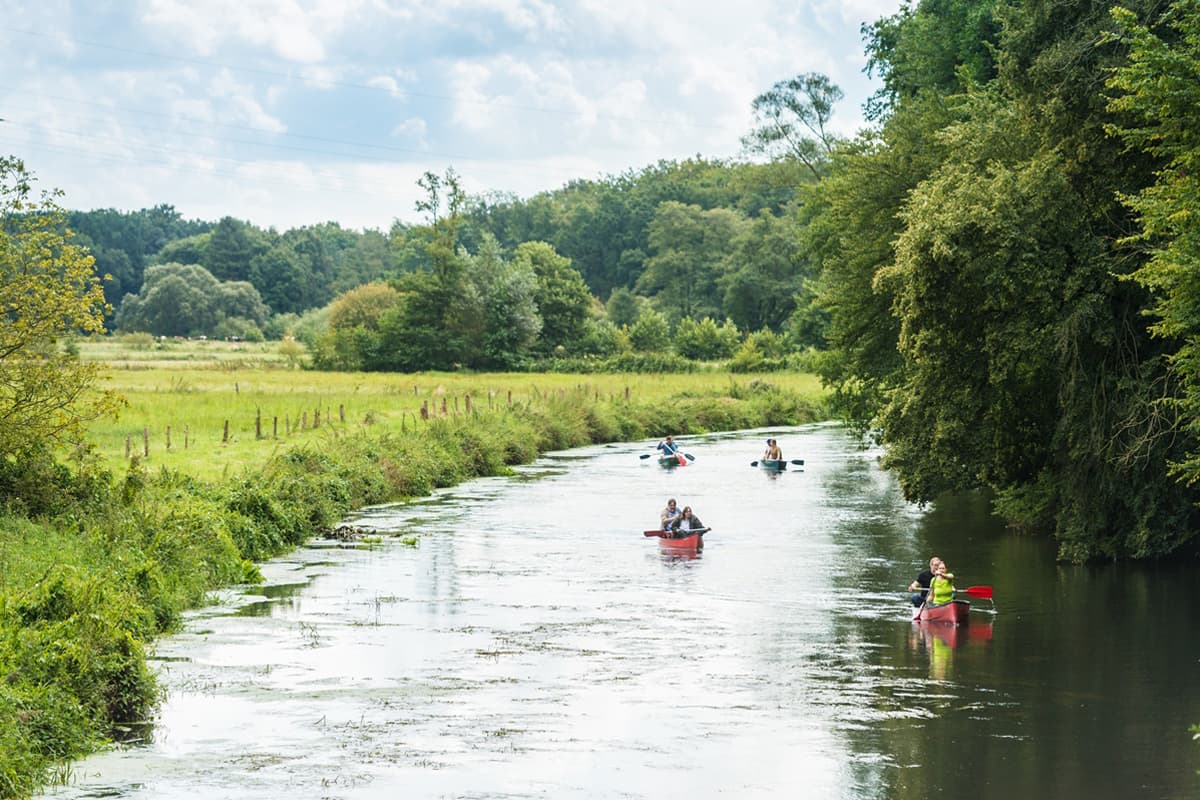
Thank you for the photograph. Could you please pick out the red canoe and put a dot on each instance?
(954, 612)
(693, 542)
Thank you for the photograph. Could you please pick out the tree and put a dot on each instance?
(497, 315)
(443, 205)
(562, 297)
(1158, 95)
(285, 277)
(651, 333)
(623, 307)
(704, 340)
(690, 246)
(48, 290)
(370, 259)
(232, 245)
(362, 307)
(186, 300)
(766, 270)
(792, 119)
(942, 46)
(849, 223)
(188, 250)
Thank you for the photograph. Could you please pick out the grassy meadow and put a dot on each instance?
(189, 391)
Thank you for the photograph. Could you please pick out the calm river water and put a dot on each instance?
(535, 644)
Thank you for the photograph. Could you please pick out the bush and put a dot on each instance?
(37, 485)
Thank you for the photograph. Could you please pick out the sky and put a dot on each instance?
(296, 112)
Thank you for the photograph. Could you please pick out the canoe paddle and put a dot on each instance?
(665, 534)
(981, 592)
(688, 456)
(799, 462)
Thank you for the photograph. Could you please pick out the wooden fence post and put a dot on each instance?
(186, 431)
(168, 437)
(225, 435)
(304, 421)
(128, 446)
(424, 409)
(467, 401)
(258, 424)
(145, 442)
(316, 418)
(341, 412)
(275, 427)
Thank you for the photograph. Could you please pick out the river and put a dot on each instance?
(533, 643)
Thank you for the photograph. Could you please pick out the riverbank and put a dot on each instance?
(96, 562)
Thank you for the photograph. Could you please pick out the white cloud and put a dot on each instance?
(292, 30)
(238, 105)
(387, 83)
(412, 130)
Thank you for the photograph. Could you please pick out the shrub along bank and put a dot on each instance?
(93, 567)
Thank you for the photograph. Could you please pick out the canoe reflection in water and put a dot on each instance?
(939, 640)
(952, 635)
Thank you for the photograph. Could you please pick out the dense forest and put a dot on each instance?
(995, 277)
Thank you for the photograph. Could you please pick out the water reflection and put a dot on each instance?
(512, 655)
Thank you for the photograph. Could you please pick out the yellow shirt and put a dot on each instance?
(941, 588)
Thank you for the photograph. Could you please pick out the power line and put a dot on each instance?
(134, 143)
(91, 156)
(359, 86)
(487, 164)
(285, 134)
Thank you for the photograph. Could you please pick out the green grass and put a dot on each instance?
(133, 352)
(214, 383)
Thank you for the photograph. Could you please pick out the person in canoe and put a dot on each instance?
(670, 515)
(668, 447)
(686, 524)
(941, 588)
(920, 587)
(773, 452)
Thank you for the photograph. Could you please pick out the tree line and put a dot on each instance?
(689, 240)
(1006, 259)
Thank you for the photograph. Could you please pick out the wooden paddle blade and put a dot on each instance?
(659, 534)
(982, 592)
(644, 455)
(689, 456)
(754, 463)
(799, 462)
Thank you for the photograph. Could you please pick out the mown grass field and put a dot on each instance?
(189, 391)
